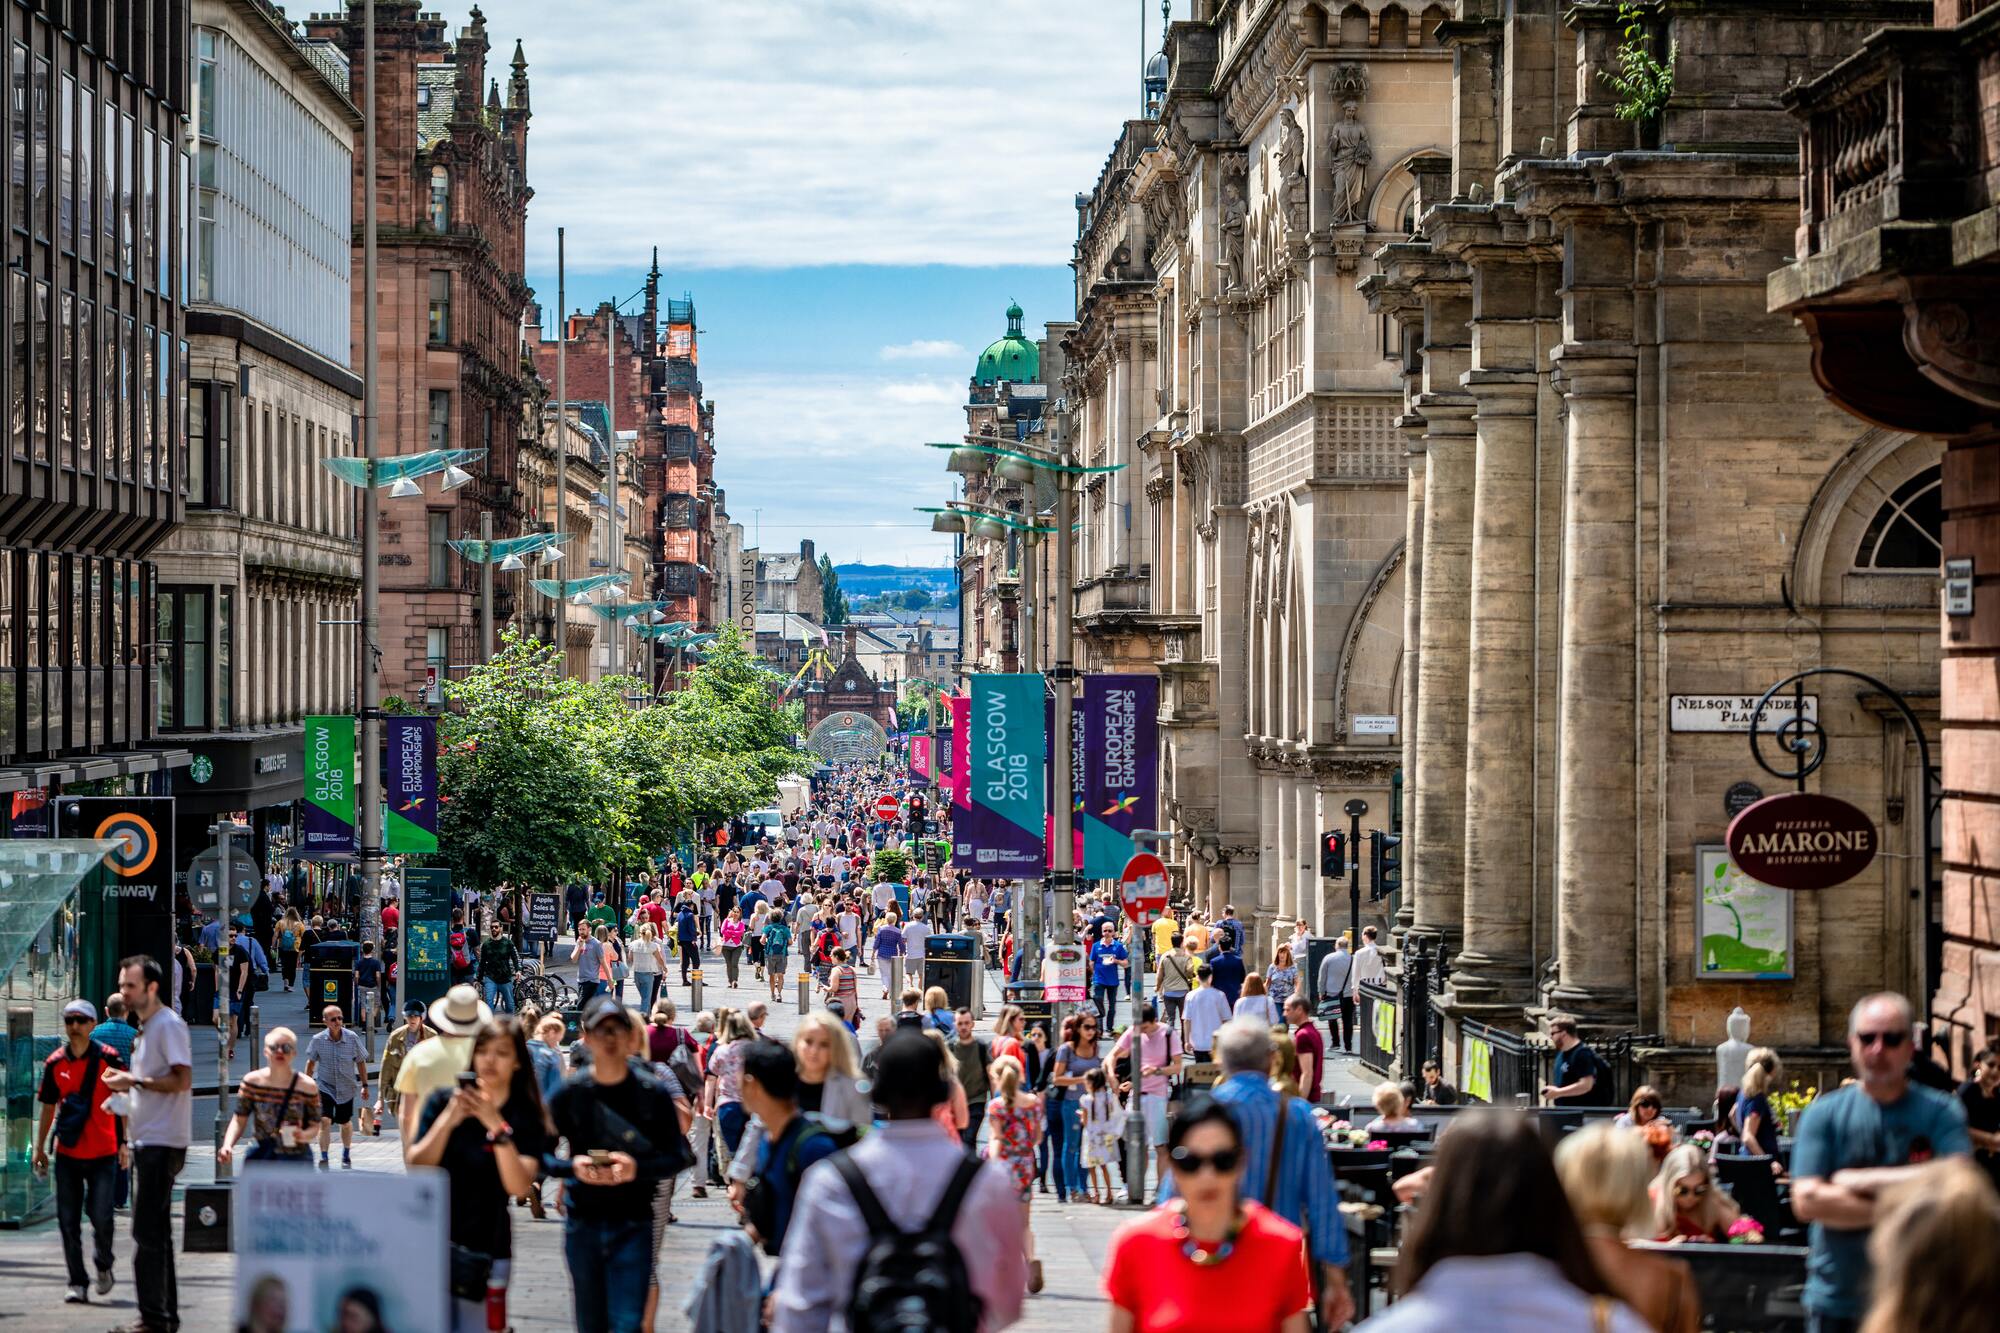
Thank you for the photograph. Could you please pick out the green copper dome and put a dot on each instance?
(1012, 358)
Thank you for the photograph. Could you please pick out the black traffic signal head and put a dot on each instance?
(1332, 854)
(1388, 863)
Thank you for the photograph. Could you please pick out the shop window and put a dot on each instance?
(225, 658)
(1907, 533)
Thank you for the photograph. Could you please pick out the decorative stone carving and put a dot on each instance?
(1348, 154)
(1293, 184)
(1233, 211)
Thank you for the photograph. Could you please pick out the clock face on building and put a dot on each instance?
(848, 685)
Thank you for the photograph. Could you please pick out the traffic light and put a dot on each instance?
(1332, 854)
(1386, 852)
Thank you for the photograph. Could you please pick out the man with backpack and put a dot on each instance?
(906, 1221)
(88, 1142)
(791, 1142)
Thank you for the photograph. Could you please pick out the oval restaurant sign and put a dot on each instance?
(1802, 840)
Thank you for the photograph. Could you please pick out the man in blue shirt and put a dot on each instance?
(1299, 1183)
(1108, 961)
(1227, 966)
(1856, 1142)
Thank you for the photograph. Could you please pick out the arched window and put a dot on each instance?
(1907, 532)
(440, 199)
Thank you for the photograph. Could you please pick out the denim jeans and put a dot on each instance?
(1070, 1115)
(610, 1267)
(730, 1121)
(1106, 999)
(85, 1185)
(648, 984)
(496, 992)
(153, 1172)
(1048, 1156)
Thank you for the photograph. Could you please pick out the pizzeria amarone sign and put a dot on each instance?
(1802, 840)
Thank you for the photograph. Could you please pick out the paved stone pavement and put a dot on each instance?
(1071, 1240)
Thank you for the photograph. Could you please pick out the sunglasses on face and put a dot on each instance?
(281, 1048)
(74, 1018)
(1690, 1191)
(1889, 1041)
(1224, 1161)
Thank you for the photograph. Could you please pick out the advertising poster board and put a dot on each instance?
(1743, 929)
(538, 922)
(427, 923)
(318, 1251)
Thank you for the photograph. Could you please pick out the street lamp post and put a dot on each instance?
(486, 588)
(562, 448)
(370, 701)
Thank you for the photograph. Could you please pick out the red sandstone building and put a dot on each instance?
(452, 204)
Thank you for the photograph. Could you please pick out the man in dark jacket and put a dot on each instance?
(687, 930)
(499, 960)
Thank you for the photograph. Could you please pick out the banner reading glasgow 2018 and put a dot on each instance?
(329, 814)
(412, 816)
(1009, 745)
(1121, 743)
(961, 771)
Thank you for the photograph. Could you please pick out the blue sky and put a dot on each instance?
(852, 193)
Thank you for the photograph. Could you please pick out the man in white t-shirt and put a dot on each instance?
(1203, 1014)
(849, 925)
(883, 895)
(161, 1081)
(914, 935)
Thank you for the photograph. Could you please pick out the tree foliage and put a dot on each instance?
(1643, 82)
(833, 602)
(545, 779)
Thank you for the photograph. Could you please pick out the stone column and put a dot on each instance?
(1597, 794)
(1494, 966)
(1304, 851)
(1266, 897)
(1285, 870)
(1413, 586)
(1438, 854)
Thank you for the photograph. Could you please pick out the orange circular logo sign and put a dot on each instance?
(137, 845)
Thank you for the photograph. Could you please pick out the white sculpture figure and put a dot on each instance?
(1731, 1055)
(1348, 156)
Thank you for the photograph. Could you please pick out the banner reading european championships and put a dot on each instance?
(329, 815)
(1009, 745)
(1121, 741)
(411, 820)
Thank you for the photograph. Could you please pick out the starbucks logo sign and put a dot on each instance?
(202, 769)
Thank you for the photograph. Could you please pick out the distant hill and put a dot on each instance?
(860, 580)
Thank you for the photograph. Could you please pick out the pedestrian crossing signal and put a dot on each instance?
(1386, 855)
(1332, 854)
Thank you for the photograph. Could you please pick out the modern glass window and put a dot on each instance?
(437, 532)
(181, 659)
(128, 420)
(65, 393)
(440, 306)
(107, 187)
(66, 158)
(41, 126)
(20, 135)
(128, 222)
(17, 297)
(40, 372)
(440, 434)
(86, 173)
(1907, 532)
(440, 203)
(437, 648)
(146, 422)
(86, 385)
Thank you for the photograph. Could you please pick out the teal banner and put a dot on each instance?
(1009, 800)
(426, 933)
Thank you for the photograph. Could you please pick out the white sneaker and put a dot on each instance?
(76, 1296)
(103, 1281)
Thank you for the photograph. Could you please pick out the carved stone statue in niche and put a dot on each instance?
(1348, 155)
(1292, 182)
(1232, 214)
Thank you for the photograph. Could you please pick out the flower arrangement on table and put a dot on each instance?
(1659, 1136)
(1338, 1133)
(1787, 1105)
(1703, 1139)
(1746, 1230)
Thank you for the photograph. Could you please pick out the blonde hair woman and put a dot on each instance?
(1688, 1203)
(1015, 1126)
(1392, 1111)
(1925, 1249)
(955, 1115)
(1756, 1123)
(1604, 1172)
(649, 963)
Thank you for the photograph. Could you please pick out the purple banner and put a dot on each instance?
(1121, 742)
(410, 797)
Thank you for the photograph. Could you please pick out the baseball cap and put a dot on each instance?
(80, 1009)
(413, 1007)
(600, 1008)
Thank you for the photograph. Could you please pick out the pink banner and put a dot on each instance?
(920, 758)
(961, 782)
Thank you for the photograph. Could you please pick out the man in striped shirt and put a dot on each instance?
(1305, 1194)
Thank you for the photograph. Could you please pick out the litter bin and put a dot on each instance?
(955, 963)
(1317, 948)
(330, 978)
(1038, 1011)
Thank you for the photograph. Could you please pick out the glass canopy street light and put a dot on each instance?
(504, 554)
(400, 473)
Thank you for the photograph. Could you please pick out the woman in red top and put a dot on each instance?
(1208, 1262)
(1688, 1204)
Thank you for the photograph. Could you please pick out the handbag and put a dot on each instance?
(269, 1150)
(73, 1112)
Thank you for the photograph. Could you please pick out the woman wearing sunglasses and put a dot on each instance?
(1209, 1260)
(1688, 1204)
(277, 1104)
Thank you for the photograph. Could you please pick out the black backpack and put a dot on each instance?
(911, 1281)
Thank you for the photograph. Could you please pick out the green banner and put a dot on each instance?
(330, 779)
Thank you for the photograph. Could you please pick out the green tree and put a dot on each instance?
(890, 866)
(833, 602)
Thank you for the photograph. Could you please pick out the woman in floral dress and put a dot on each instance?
(1015, 1125)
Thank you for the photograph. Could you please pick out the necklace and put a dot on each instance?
(1192, 1250)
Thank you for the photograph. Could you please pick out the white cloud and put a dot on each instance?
(836, 458)
(926, 349)
(778, 133)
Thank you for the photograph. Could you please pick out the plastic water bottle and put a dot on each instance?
(496, 1306)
